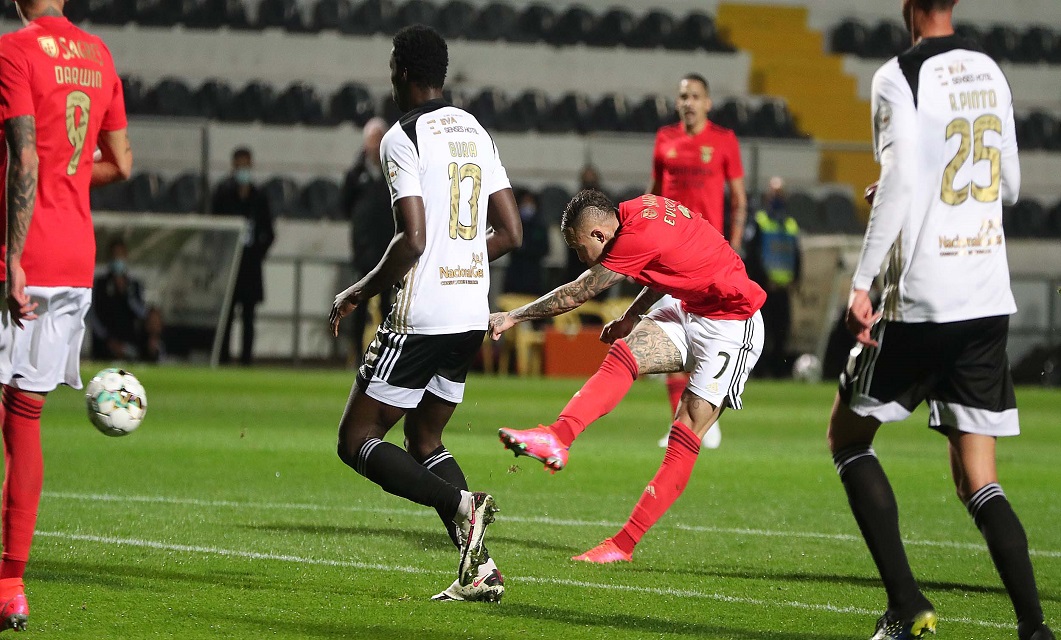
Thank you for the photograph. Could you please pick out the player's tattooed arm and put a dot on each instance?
(569, 296)
(643, 302)
(21, 133)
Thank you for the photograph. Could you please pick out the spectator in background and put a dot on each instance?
(366, 199)
(524, 273)
(771, 242)
(237, 196)
(118, 310)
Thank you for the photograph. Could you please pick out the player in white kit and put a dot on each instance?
(944, 136)
(454, 213)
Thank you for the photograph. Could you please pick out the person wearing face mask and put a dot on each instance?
(238, 196)
(772, 256)
(118, 310)
(524, 273)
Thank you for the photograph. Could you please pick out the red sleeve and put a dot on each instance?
(657, 160)
(630, 253)
(734, 166)
(114, 119)
(16, 96)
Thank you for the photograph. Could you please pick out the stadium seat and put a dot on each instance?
(629, 193)
(351, 103)
(1003, 43)
(76, 12)
(552, 200)
(298, 104)
(455, 19)
(1039, 130)
(213, 100)
(133, 89)
(1026, 219)
(525, 113)
(488, 107)
(371, 16)
(650, 114)
(570, 114)
(655, 29)
(1038, 44)
(283, 14)
(110, 197)
(156, 13)
(613, 28)
(696, 31)
(332, 15)
(804, 210)
(571, 27)
(772, 120)
(282, 194)
(170, 97)
(887, 39)
(253, 103)
(969, 31)
(414, 12)
(389, 110)
(145, 192)
(837, 214)
(1053, 221)
(610, 113)
(319, 200)
(850, 36)
(184, 194)
(732, 114)
(533, 24)
(110, 12)
(494, 22)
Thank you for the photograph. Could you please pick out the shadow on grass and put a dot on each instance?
(423, 539)
(248, 626)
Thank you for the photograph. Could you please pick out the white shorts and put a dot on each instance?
(46, 352)
(718, 354)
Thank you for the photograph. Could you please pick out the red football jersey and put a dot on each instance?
(64, 78)
(663, 245)
(694, 169)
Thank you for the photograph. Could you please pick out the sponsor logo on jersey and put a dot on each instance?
(392, 171)
(985, 241)
(470, 274)
(48, 46)
(672, 153)
(650, 214)
(706, 153)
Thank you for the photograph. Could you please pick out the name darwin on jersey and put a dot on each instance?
(78, 77)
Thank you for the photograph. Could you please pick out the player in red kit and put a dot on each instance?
(693, 162)
(60, 99)
(711, 328)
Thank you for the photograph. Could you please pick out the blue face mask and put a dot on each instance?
(118, 266)
(242, 176)
(527, 211)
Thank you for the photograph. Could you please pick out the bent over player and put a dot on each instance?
(944, 136)
(711, 328)
(447, 185)
(60, 98)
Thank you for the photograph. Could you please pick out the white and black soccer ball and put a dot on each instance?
(116, 402)
(807, 368)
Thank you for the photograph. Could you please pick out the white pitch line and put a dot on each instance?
(659, 591)
(739, 531)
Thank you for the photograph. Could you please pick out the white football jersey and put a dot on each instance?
(944, 136)
(442, 154)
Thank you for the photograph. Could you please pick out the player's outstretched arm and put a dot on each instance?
(506, 228)
(116, 158)
(560, 300)
(22, 167)
(404, 250)
(624, 324)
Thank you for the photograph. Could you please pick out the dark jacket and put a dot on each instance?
(255, 208)
(366, 199)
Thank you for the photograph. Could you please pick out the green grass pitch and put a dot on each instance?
(228, 515)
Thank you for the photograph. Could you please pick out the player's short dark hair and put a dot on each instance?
(241, 152)
(422, 54)
(935, 5)
(698, 78)
(586, 203)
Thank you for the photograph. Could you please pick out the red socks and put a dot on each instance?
(601, 393)
(23, 478)
(676, 383)
(682, 450)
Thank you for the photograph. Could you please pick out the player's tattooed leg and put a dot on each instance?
(654, 351)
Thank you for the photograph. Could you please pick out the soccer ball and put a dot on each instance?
(807, 368)
(116, 402)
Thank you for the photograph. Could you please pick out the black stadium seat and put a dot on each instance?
(1026, 219)
(1037, 44)
(837, 214)
(610, 113)
(887, 39)
(850, 36)
(488, 107)
(320, 200)
(525, 113)
(804, 210)
(650, 114)
(653, 30)
(552, 200)
(170, 97)
(696, 31)
(455, 19)
(571, 27)
(156, 13)
(732, 114)
(570, 114)
(1039, 130)
(110, 197)
(388, 110)
(970, 31)
(184, 194)
(133, 88)
(253, 102)
(332, 15)
(1003, 43)
(613, 28)
(494, 22)
(772, 120)
(298, 104)
(282, 194)
(533, 24)
(110, 12)
(214, 99)
(414, 12)
(1053, 222)
(145, 192)
(351, 103)
(283, 14)
(371, 16)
